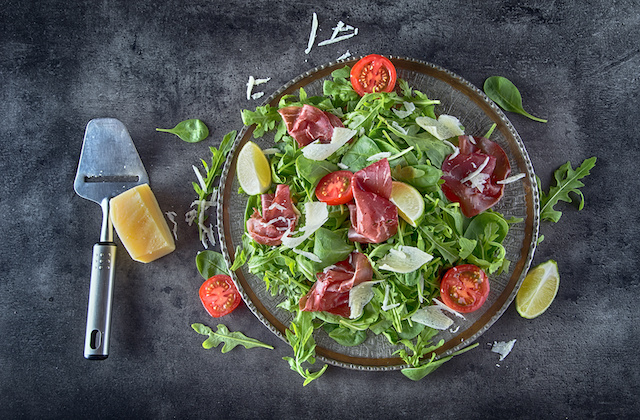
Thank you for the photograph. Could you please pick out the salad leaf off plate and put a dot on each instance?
(477, 114)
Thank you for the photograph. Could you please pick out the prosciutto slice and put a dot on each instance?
(374, 218)
(277, 217)
(480, 192)
(308, 123)
(330, 292)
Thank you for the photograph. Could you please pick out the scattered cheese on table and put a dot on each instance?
(503, 348)
(140, 224)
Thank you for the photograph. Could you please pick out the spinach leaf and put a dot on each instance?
(313, 170)
(331, 246)
(424, 177)
(356, 157)
(191, 131)
(210, 263)
(230, 339)
(504, 93)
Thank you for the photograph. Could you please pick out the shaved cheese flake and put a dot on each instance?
(378, 156)
(250, 84)
(312, 35)
(405, 259)
(456, 150)
(309, 255)
(409, 107)
(319, 151)
(511, 179)
(400, 154)
(359, 296)
(446, 308)
(257, 95)
(271, 151)
(478, 181)
(385, 303)
(203, 184)
(476, 172)
(445, 127)
(190, 216)
(503, 348)
(345, 56)
(432, 316)
(171, 215)
(342, 166)
(261, 81)
(317, 214)
(398, 127)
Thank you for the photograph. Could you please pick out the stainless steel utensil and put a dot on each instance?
(109, 165)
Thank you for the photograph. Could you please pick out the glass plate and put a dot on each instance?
(477, 113)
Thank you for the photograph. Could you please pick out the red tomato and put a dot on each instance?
(464, 288)
(373, 73)
(335, 188)
(219, 295)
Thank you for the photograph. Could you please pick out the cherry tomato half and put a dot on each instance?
(373, 73)
(219, 295)
(335, 188)
(464, 288)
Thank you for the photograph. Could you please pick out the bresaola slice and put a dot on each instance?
(330, 292)
(278, 217)
(308, 123)
(374, 218)
(476, 190)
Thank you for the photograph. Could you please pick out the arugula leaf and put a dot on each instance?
(418, 372)
(264, 117)
(191, 131)
(567, 181)
(230, 339)
(300, 337)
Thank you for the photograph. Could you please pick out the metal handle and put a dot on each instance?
(96, 341)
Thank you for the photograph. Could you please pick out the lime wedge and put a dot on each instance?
(538, 290)
(409, 202)
(253, 170)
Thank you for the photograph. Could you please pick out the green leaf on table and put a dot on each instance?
(191, 131)
(230, 339)
(504, 93)
(210, 263)
(567, 181)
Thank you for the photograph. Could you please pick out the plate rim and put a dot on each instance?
(475, 330)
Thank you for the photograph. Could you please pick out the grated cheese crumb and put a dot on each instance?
(312, 35)
(171, 215)
(511, 179)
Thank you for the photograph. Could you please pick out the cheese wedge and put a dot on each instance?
(140, 224)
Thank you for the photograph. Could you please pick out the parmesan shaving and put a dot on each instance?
(359, 296)
(385, 302)
(312, 35)
(171, 215)
(257, 95)
(445, 127)
(271, 151)
(378, 156)
(203, 185)
(405, 259)
(345, 56)
(310, 255)
(342, 165)
(432, 316)
(190, 216)
(317, 214)
(503, 348)
(409, 107)
(319, 151)
(340, 27)
(446, 308)
(476, 172)
(250, 85)
(511, 179)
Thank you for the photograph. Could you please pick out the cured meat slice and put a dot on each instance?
(330, 292)
(308, 123)
(475, 190)
(374, 218)
(278, 216)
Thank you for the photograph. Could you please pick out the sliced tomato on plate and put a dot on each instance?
(335, 188)
(219, 295)
(373, 73)
(464, 288)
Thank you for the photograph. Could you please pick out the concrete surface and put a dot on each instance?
(154, 63)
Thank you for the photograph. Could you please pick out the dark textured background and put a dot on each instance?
(154, 63)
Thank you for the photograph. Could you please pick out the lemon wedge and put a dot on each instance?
(253, 170)
(538, 290)
(409, 202)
